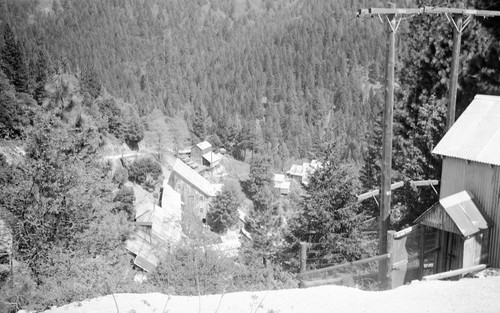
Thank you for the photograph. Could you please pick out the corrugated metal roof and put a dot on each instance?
(279, 178)
(195, 179)
(145, 256)
(461, 209)
(204, 145)
(229, 245)
(475, 136)
(165, 224)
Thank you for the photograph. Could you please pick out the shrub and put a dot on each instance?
(145, 172)
(124, 201)
(223, 211)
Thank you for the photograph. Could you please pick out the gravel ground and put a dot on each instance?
(467, 295)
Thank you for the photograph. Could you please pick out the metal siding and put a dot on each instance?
(476, 134)
(483, 181)
(494, 235)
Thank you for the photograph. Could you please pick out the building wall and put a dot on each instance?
(483, 181)
(191, 196)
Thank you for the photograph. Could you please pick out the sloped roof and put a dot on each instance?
(475, 136)
(279, 178)
(171, 199)
(195, 179)
(229, 245)
(144, 252)
(204, 145)
(458, 213)
(296, 170)
(212, 157)
(165, 224)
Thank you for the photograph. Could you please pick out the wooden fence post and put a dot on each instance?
(421, 253)
(303, 257)
(390, 250)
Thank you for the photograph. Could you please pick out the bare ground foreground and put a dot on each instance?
(466, 295)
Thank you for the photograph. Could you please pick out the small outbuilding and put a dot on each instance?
(281, 184)
(462, 231)
(199, 150)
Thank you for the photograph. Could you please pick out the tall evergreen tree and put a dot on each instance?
(329, 215)
(223, 210)
(41, 75)
(12, 61)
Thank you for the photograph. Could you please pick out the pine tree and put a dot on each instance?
(329, 215)
(41, 75)
(260, 184)
(90, 83)
(12, 61)
(223, 210)
(199, 122)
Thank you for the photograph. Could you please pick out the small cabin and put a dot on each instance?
(199, 150)
(471, 163)
(301, 173)
(281, 184)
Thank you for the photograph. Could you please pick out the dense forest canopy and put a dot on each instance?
(294, 73)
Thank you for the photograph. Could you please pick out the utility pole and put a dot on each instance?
(385, 195)
(393, 19)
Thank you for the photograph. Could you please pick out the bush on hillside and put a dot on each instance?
(120, 176)
(223, 210)
(124, 202)
(145, 172)
(188, 270)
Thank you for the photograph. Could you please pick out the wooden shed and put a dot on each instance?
(471, 161)
(462, 234)
(199, 150)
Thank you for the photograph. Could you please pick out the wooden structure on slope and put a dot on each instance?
(200, 149)
(281, 184)
(302, 172)
(471, 162)
(462, 232)
(159, 228)
(196, 191)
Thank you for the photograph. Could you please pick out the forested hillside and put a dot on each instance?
(277, 76)
(270, 81)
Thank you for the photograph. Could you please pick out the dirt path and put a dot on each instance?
(467, 295)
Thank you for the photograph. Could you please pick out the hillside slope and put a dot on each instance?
(467, 295)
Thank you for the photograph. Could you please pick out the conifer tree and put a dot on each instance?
(329, 215)
(41, 74)
(223, 210)
(12, 61)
